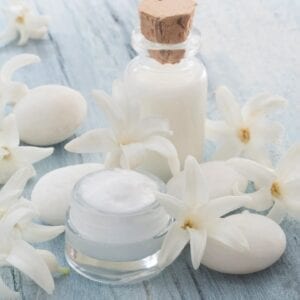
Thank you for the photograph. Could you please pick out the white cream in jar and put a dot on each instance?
(115, 226)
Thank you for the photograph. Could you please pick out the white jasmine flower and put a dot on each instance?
(130, 137)
(244, 131)
(197, 218)
(23, 22)
(10, 200)
(20, 254)
(52, 263)
(12, 155)
(11, 192)
(17, 228)
(11, 91)
(30, 231)
(279, 187)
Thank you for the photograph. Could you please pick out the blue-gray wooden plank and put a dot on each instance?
(251, 46)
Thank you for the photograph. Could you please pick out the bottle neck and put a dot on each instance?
(166, 53)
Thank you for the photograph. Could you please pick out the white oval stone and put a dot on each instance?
(49, 114)
(53, 192)
(220, 180)
(267, 243)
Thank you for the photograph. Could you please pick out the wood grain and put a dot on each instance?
(251, 46)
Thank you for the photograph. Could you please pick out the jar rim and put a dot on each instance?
(154, 205)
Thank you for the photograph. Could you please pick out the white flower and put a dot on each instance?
(130, 137)
(52, 263)
(198, 218)
(23, 22)
(10, 200)
(12, 155)
(11, 192)
(244, 131)
(20, 254)
(279, 187)
(18, 229)
(11, 91)
(30, 231)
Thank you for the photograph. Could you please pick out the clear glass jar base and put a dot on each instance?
(111, 272)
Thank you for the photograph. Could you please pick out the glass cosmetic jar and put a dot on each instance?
(115, 226)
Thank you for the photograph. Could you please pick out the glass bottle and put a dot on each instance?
(170, 81)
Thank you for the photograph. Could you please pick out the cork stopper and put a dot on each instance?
(167, 22)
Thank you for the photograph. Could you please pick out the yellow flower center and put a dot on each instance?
(188, 223)
(125, 141)
(276, 190)
(244, 135)
(8, 154)
(20, 19)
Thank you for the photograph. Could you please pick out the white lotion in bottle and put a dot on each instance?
(167, 78)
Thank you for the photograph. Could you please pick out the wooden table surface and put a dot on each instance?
(251, 46)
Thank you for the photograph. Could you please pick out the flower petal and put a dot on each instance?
(152, 126)
(229, 148)
(113, 159)
(165, 148)
(14, 92)
(8, 35)
(289, 163)
(37, 34)
(9, 135)
(9, 198)
(129, 107)
(8, 167)
(52, 263)
(36, 22)
(257, 152)
(11, 219)
(15, 63)
(216, 130)
(24, 36)
(260, 200)
(6, 293)
(37, 233)
(228, 235)
(21, 203)
(221, 206)
(228, 106)
(132, 155)
(195, 189)
(198, 240)
(262, 104)
(172, 205)
(13, 189)
(31, 155)
(18, 182)
(25, 258)
(94, 141)
(277, 212)
(111, 110)
(253, 171)
(173, 244)
(8, 223)
(291, 190)
(266, 132)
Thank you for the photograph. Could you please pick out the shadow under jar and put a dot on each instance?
(115, 227)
